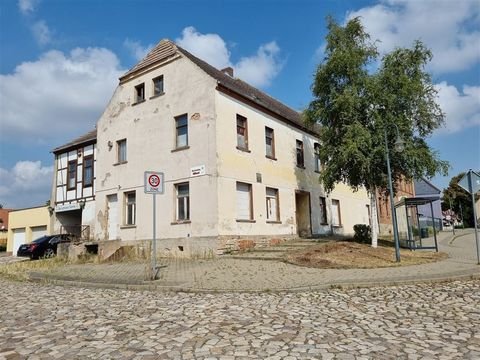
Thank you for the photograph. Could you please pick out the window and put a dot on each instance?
(269, 143)
(300, 161)
(273, 212)
(139, 93)
(316, 148)
(323, 211)
(130, 201)
(158, 85)
(183, 202)
(336, 218)
(244, 202)
(368, 214)
(242, 133)
(88, 171)
(122, 151)
(72, 174)
(181, 125)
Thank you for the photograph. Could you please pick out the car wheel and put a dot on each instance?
(49, 253)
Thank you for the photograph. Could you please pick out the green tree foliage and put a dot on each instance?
(357, 97)
(460, 199)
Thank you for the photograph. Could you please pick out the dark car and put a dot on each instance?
(44, 247)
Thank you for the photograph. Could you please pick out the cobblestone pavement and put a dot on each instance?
(428, 321)
(230, 274)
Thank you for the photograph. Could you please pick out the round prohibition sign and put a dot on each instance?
(154, 180)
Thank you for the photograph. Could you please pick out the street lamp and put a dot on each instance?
(399, 147)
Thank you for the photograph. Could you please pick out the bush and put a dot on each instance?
(363, 233)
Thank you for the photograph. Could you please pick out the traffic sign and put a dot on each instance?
(475, 182)
(153, 182)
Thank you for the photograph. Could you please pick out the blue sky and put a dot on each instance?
(60, 62)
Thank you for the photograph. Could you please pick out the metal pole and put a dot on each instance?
(461, 214)
(154, 240)
(394, 218)
(470, 188)
(451, 212)
(434, 228)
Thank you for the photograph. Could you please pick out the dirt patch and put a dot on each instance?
(351, 255)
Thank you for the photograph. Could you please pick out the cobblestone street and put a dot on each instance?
(428, 321)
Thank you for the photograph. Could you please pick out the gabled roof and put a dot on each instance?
(166, 50)
(86, 139)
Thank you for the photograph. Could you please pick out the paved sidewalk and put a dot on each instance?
(234, 274)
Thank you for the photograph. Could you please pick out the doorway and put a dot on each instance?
(112, 217)
(303, 214)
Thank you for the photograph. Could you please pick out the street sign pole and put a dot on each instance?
(472, 192)
(154, 240)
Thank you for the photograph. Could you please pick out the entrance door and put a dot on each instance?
(302, 213)
(18, 239)
(112, 217)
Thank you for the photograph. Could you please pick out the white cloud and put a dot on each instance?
(57, 96)
(27, 6)
(448, 28)
(136, 49)
(209, 47)
(41, 32)
(462, 109)
(28, 183)
(261, 68)
(258, 70)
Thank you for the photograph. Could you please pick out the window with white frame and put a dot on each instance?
(336, 217)
(122, 151)
(181, 131)
(130, 208)
(244, 201)
(183, 202)
(273, 211)
(88, 171)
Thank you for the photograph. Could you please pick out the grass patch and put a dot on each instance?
(20, 270)
(352, 255)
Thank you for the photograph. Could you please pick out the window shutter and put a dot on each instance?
(243, 201)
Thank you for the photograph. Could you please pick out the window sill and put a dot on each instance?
(318, 172)
(128, 226)
(271, 157)
(157, 95)
(138, 102)
(324, 224)
(337, 226)
(273, 222)
(301, 167)
(120, 163)
(246, 221)
(243, 149)
(181, 148)
(180, 222)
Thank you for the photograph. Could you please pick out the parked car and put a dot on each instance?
(43, 247)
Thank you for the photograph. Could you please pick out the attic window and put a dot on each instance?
(158, 85)
(139, 93)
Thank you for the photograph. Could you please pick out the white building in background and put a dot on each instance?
(238, 164)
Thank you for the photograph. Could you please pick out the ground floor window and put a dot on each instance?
(130, 207)
(244, 201)
(273, 211)
(336, 218)
(183, 202)
(323, 211)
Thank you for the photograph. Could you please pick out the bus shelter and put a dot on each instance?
(411, 234)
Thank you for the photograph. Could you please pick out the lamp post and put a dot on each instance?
(399, 146)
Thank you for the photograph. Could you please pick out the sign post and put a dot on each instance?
(153, 183)
(471, 182)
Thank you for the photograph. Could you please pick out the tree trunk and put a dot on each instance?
(374, 217)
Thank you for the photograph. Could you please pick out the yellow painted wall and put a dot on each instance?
(27, 218)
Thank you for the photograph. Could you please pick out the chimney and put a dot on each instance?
(228, 71)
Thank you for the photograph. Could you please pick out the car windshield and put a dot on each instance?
(41, 240)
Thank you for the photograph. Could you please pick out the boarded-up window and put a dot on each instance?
(244, 201)
(336, 218)
(273, 212)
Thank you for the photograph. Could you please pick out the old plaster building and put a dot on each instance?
(238, 164)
